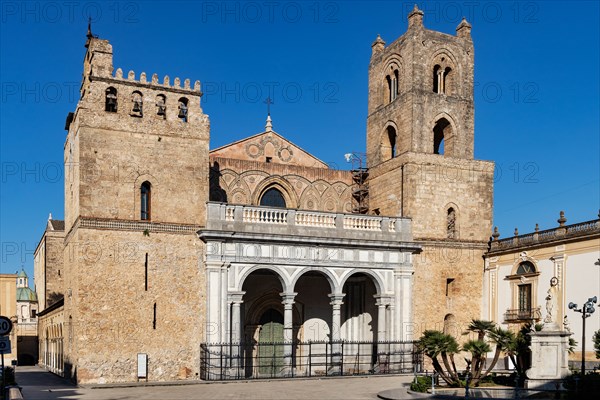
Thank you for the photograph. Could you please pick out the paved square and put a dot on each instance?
(38, 384)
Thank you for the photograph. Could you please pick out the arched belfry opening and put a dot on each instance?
(443, 75)
(436, 79)
(389, 145)
(110, 103)
(391, 84)
(443, 137)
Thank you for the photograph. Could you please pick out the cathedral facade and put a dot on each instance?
(256, 259)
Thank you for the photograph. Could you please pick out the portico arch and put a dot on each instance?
(268, 318)
(377, 280)
(314, 291)
(359, 312)
(283, 278)
(331, 278)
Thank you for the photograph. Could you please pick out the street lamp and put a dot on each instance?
(586, 311)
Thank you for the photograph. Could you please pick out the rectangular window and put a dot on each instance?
(449, 286)
(524, 299)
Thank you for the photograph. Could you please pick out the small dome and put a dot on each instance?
(26, 294)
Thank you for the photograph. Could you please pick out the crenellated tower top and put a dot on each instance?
(131, 135)
(148, 100)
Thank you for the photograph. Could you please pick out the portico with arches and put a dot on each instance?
(266, 287)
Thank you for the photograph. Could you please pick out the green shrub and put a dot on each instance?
(421, 384)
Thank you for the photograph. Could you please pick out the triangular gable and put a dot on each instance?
(268, 146)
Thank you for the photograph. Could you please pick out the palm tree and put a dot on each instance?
(435, 343)
(505, 340)
(481, 327)
(478, 350)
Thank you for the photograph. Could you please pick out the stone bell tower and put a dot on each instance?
(136, 187)
(420, 140)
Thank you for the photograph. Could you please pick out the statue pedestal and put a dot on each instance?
(549, 358)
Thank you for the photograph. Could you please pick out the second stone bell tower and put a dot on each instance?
(421, 93)
(420, 154)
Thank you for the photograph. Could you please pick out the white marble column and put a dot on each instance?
(288, 327)
(336, 315)
(381, 302)
(235, 299)
(336, 326)
(391, 321)
(225, 317)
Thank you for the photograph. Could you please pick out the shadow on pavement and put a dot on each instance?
(40, 384)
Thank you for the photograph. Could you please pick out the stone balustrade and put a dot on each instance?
(547, 236)
(271, 220)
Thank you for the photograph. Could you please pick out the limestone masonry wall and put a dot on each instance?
(134, 293)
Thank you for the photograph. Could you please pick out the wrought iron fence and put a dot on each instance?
(230, 361)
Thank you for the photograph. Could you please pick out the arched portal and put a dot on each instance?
(262, 290)
(314, 292)
(359, 311)
(268, 324)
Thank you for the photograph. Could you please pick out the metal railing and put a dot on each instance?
(523, 315)
(228, 361)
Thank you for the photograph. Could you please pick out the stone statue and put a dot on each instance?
(551, 301)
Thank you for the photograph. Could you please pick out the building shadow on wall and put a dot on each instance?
(216, 191)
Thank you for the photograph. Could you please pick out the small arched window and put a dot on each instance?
(442, 132)
(183, 109)
(145, 198)
(110, 104)
(273, 198)
(137, 104)
(392, 85)
(526, 267)
(451, 232)
(161, 106)
(391, 136)
(436, 78)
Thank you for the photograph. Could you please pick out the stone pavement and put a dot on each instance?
(41, 385)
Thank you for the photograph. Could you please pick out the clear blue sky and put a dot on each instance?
(536, 99)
